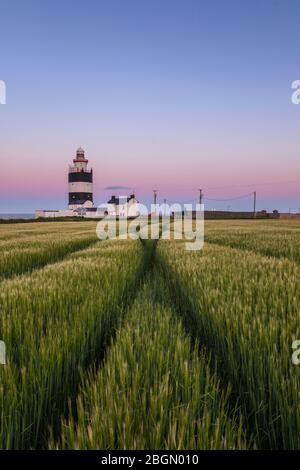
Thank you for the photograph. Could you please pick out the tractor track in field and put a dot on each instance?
(194, 304)
(94, 363)
(202, 325)
(160, 363)
(182, 306)
(184, 311)
(100, 330)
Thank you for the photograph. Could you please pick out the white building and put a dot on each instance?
(123, 206)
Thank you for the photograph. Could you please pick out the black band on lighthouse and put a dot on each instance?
(81, 176)
(80, 198)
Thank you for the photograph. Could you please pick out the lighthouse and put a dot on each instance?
(80, 182)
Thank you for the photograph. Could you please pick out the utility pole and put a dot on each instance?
(254, 203)
(200, 196)
(154, 196)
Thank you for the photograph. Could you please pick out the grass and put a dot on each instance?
(34, 246)
(155, 390)
(245, 309)
(122, 344)
(53, 322)
(274, 239)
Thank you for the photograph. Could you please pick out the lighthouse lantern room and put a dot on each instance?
(80, 182)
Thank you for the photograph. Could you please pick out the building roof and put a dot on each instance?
(120, 200)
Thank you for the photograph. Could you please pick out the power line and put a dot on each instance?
(229, 199)
(201, 197)
(252, 184)
(182, 202)
(231, 186)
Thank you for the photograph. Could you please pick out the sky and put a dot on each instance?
(173, 95)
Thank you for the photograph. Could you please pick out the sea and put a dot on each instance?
(16, 216)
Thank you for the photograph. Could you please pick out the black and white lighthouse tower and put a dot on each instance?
(80, 182)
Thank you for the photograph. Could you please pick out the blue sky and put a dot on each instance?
(171, 95)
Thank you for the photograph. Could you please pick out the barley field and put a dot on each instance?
(139, 344)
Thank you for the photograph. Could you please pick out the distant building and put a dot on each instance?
(53, 213)
(80, 183)
(123, 206)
